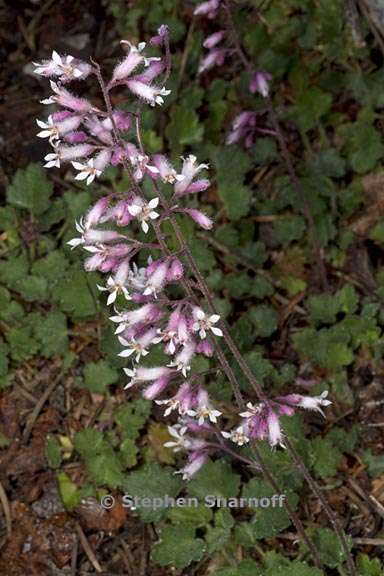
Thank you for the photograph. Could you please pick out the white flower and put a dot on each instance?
(49, 129)
(81, 228)
(86, 171)
(59, 65)
(52, 160)
(132, 347)
(203, 412)
(115, 289)
(314, 402)
(180, 441)
(237, 436)
(252, 410)
(204, 323)
(144, 211)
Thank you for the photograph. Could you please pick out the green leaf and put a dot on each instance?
(178, 546)
(216, 479)
(52, 267)
(102, 462)
(326, 457)
(74, 295)
(98, 376)
(329, 547)
(270, 520)
(13, 270)
(377, 232)
(363, 145)
(375, 463)
(3, 358)
(30, 189)
(32, 288)
(232, 164)
(69, 492)
(53, 452)
(265, 319)
(184, 128)
(311, 105)
(236, 198)
(197, 516)
(244, 568)
(131, 417)
(51, 332)
(328, 163)
(21, 343)
(128, 453)
(152, 481)
(369, 566)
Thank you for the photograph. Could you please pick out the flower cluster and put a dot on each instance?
(143, 278)
(243, 126)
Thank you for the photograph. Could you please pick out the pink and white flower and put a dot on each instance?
(144, 211)
(203, 323)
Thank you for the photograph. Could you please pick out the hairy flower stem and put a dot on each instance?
(295, 181)
(317, 251)
(259, 464)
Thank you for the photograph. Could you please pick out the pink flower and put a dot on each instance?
(144, 211)
(64, 98)
(182, 401)
(151, 94)
(215, 57)
(189, 171)
(200, 218)
(130, 62)
(67, 68)
(214, 39)
(260, 83)
(195, 462)
(204, 409)
(162, 35)
(209, 9)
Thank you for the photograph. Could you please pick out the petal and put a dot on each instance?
(144, 227)
(81, 175)
(216, 331)
(111, 298)
(153, 203)
(214, 318)
(134, 210)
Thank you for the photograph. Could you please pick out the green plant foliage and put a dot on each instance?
(178, 546)
(98, 376)
(152, 481)
(30, 190)
(216, 479)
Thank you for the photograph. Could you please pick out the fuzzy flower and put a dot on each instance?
(166, 172)
(138, 346)
(237, 436)
(142, 374)
(260, 83)
(144, 211)
(54, 130)
(183, 359)
(215, 57)
(209, 9)
(116, 284)
(67, 68)
(130, 62)
(204, 409)
(203, 323)
(64, 98)
(182, 401)
(151, 94)
(189, 171)
(195, 462)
